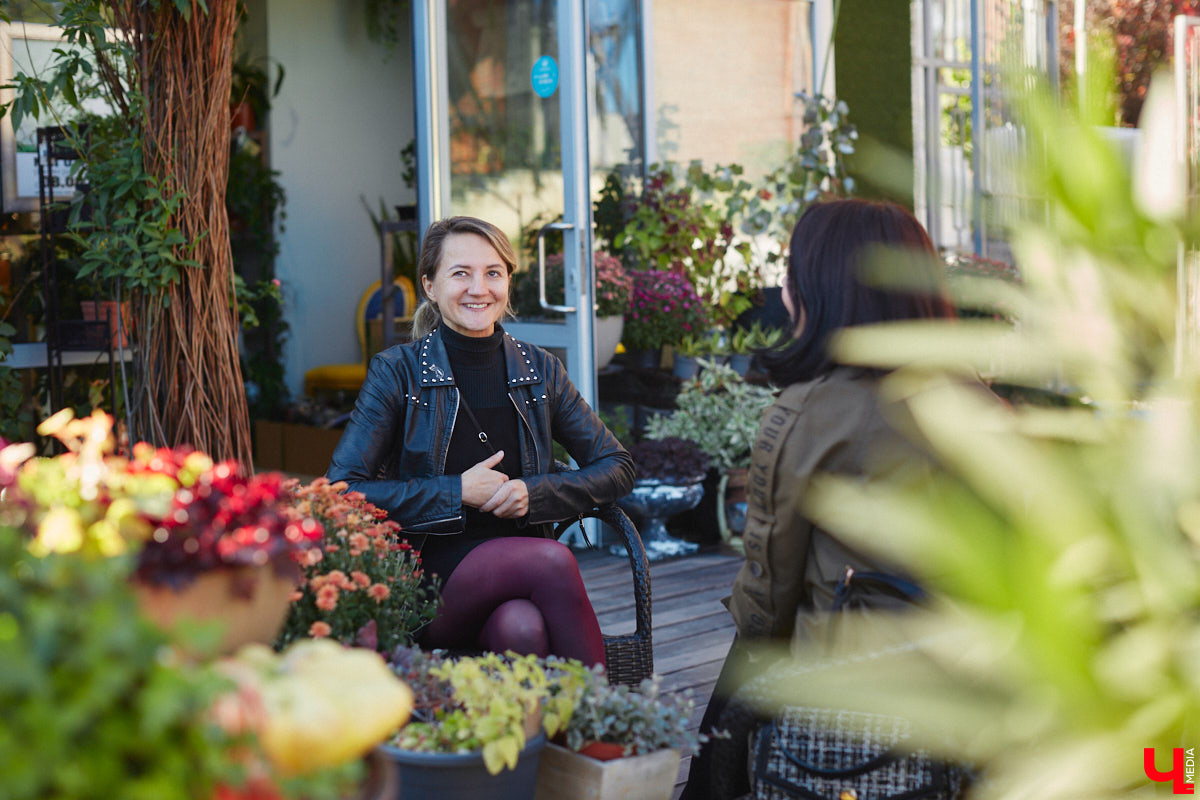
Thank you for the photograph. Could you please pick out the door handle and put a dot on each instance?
(541, 263)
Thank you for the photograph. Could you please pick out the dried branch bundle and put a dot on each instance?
(191, 387)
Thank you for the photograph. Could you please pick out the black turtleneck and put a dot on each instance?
(482, 382)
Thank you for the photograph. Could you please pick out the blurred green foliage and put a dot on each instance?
(1061, 540)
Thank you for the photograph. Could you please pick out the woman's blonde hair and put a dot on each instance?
(427, 316)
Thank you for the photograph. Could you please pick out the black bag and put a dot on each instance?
(823, 754)
(830, 754)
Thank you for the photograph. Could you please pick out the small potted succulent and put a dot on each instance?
(361, 584)
(621, 742)
(477, 721)
(670, 480)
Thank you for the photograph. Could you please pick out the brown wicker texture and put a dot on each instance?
(629, 657)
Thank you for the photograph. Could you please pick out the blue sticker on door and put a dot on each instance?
(544, 76)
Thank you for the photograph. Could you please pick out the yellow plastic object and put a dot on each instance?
(350, 377)
(317, 704)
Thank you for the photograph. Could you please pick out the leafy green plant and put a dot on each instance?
(92, 709)
(684, 220)
(720, 411)
(484, 703)
(641, 719)
(252, 85)
(1060, 541)
(815, 169)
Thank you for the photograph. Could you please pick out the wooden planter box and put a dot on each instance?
(298, 449)
(566, 775)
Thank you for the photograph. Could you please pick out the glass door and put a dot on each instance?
(504, 89)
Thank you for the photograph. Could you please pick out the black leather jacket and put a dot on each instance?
(394, 447)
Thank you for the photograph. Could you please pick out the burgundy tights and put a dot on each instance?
(518, 594)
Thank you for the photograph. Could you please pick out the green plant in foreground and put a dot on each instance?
(641, 718)
(720, 412)
(91, 707)
(1062, 542)
(485, 703)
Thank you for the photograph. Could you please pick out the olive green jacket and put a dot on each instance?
(833, 424)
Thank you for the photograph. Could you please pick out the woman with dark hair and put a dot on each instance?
(452, 435)
(827, 419)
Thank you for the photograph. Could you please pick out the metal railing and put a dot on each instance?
(967, 144)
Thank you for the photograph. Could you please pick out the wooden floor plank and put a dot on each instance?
(692, 629)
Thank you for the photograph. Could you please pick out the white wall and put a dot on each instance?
(336, 131)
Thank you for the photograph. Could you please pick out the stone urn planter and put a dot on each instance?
(652, 502)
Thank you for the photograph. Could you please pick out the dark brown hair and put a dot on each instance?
(824, 278)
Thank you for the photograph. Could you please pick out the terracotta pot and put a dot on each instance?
(106, 310)
(242, 116)
(251, 601)
(603, 751)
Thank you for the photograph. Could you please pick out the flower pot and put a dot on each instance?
(106, 310)
(606, 336)
(567, 775)
(740, 363)
(603, 751)
(436, 776)
(653, 502)
(648, 358)
(252, 602)
(686, 367)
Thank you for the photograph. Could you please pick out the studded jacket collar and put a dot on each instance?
(394, 447)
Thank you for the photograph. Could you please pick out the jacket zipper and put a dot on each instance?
(529, 430)
(446, 448)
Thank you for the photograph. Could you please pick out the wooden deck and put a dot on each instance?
(692, 629)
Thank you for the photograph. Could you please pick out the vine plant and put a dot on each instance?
(151, 219)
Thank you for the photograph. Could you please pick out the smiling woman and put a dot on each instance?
(471, 290)
(453, 433)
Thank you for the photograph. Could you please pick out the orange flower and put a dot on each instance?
(294, 596)
(359, 541)
(361, 578)
(379, 592)
(319, 630)
(336, 577)
(327, 598)
(313, 556)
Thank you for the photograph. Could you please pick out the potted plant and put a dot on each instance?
(477, 721)
(209, 544)
(93, 681)
(361, 583)
(720, 411)
(745, 343)
(670, 477)
(622, 743)
(663, 310)
(612, 293)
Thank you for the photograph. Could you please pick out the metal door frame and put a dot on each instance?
(431, 81)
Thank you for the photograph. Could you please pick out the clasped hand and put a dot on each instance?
(493, 492)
